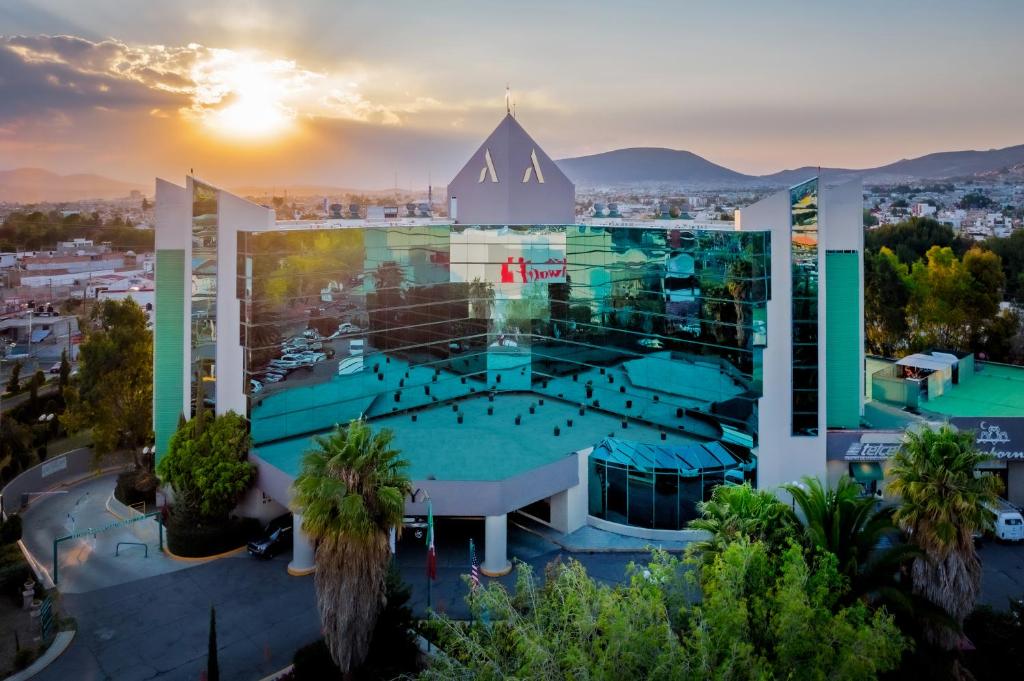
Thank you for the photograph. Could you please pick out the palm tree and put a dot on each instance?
(740, 510)
(865, 543)
(943, 506)
(351, 493)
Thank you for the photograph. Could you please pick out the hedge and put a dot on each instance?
(10, 530)
(189, 539)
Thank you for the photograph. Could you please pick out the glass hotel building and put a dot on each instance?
(578, 371)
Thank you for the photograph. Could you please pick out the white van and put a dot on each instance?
(1008, 523)
(355, 347)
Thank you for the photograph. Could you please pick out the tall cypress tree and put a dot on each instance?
(212, 668)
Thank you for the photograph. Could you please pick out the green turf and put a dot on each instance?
(995, 390)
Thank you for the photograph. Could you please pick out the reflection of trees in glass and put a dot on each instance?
(738, 285)
(264, 338)
(296, 266)
(481, 298)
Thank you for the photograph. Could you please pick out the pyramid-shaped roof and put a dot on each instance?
(511, 181)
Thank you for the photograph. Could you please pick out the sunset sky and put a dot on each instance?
(349, 93)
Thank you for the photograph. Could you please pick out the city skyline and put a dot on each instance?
(246, 94)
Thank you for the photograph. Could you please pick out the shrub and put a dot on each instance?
(313, 663)
(206, 465)
(14, 572)
(135, 487)
(24, 657)
(190, 538)
(10, 530)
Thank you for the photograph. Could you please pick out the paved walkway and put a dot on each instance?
(89, 562)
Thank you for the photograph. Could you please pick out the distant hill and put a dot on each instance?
(31, 185)
(646, 165)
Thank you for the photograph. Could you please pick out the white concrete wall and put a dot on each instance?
(233, 215)
(569, 509)
(782, 457)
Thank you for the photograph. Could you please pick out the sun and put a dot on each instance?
(249, 105)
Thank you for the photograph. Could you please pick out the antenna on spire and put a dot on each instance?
(508, 99)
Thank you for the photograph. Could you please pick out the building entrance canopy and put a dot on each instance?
(690, 460)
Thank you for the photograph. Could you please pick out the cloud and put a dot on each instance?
(198, 82)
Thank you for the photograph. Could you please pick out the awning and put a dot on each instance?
(932, 362)
(688, 460)
(39, 334)
(867, 471)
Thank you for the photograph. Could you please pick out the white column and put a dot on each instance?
(302, 550)
(495, 546)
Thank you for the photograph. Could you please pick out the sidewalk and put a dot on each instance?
(590, 539)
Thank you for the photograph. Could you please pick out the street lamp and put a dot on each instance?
(46, 420)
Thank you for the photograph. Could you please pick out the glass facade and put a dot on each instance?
(656, 486)
(662, 326)
(804, 243)
(204, 292)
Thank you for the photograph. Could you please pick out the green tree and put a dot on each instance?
(65, 370)
(14, 382)
(115, 389)
(911, 239)
(212, 666)
(207, 466)
(943, 505)
(869, 219)
(351, 494)
(952, 301)
(886, 295)
(37, 381)
(736, 511)
(15, 447)
(760, 615)
(764, 615)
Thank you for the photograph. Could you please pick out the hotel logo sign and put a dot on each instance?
(522, 271)
(997, 442)
(488, 170)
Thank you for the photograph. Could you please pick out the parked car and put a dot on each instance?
(255, 386)
(356, 347)
(276, 538)
(271, 377)
(55, 369)
(653, 343)
(347, 327)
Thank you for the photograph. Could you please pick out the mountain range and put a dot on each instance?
(621, 167)
(646, 165)
(30, 185)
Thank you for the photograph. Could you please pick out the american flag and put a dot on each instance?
(431, 551)
(474, 569)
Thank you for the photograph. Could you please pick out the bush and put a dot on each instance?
(131, 488)
(24, 657)
(14, 572)
(188, 538)
(998, 638)
(313, 663)
(10, 530)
